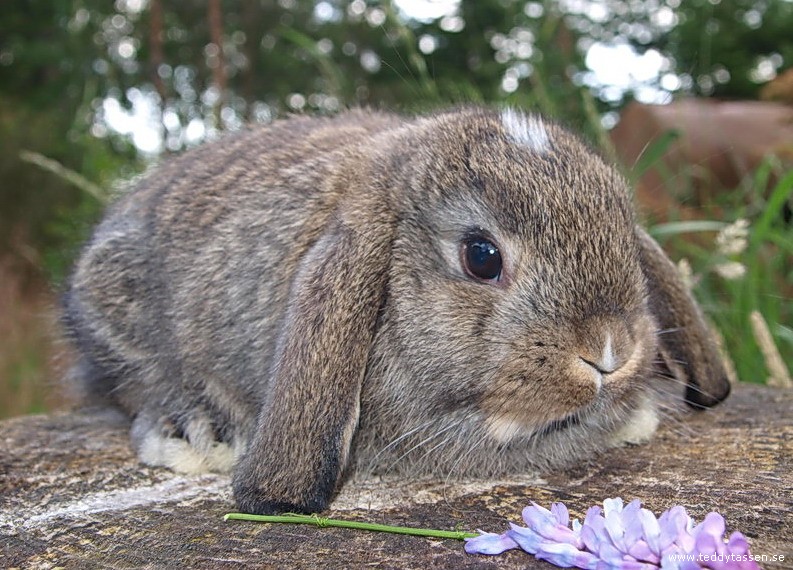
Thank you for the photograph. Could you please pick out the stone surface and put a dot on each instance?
(73, 495)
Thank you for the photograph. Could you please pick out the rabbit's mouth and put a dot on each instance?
(638, 420)
(554, 426)
(504, 428)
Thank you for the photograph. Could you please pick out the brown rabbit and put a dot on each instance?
(465, 294)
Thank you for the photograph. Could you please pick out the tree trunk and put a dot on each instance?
(218, 63)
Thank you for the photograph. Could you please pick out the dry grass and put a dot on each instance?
(779, 375)
(32, 356)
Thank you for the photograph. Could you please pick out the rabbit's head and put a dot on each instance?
(482, 298)
(516, 301)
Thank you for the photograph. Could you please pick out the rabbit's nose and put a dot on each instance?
(606, 361)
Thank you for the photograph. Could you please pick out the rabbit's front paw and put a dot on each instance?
(185, 446)
(251, 499)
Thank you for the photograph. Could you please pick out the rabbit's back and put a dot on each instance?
(177, 299)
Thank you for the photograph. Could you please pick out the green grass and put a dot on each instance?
(767, 284)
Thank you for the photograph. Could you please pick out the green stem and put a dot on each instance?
(323, 522)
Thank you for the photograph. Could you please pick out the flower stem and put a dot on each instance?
(323, 522)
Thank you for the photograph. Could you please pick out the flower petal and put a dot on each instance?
(489, 543)
(594, 519)
(738, 544)
(633, 507)
(526, 538)
(612, 505)
(642, 552)
(676, 560)
(632, 523)
(651, 531)
(610, 554)
(536, 511)
(615, 530)
(629, 564)
(539, 519)
(675, 525)
(544, 523)
(592, 539)
(707, 544)
(738, 547)
(713, 525)
(567, 555)
(669, 563)
(560, 513)
(593, 532)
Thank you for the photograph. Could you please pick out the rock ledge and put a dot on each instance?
(73, 495)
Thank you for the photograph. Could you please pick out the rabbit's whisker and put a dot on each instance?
(396, 441)
(431, 437)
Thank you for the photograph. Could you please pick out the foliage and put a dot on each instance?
(45, 97)
(728, 48)
(764, 282)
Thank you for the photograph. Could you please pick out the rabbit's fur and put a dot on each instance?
(291, 300)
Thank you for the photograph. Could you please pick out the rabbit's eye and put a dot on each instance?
(481, 259)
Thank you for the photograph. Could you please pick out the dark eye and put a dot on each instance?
(481, 258)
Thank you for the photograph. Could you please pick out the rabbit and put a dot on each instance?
(461, 294)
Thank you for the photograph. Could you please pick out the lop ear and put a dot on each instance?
(686, 344)
(306, 424)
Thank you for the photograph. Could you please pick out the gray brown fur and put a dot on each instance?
(293, 295)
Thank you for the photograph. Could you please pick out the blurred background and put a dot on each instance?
(694, 99)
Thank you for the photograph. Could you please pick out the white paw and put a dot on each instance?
(640, 427)
(177, 454)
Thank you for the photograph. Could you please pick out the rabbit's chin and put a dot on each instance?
(636, 426)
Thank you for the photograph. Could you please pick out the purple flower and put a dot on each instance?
(489, 543)
(621, 537)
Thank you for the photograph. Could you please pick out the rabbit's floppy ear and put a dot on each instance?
(305, 428)
(686, 344)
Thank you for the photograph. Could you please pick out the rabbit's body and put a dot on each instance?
(300, 299)
(177, 326)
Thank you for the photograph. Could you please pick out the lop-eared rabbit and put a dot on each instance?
(465, 294)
